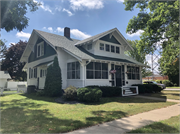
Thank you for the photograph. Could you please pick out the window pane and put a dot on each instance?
(77, 74)
(73, 65)
(137, 76)
(112, 66)
(101, 46)
(117, 50)
(122, 68)
(69, 74)
(77, 66)
(69, 66)
(42, 49)
(112, 49)
(97, 74)
(128, 69)
(38, 51)
(104, 75)
(137, 69)
(107, 47)
(90, 66)
(97, 66)
(41, 73)
(129, 75)
(73, 74)
(89, 74)
(105, 66)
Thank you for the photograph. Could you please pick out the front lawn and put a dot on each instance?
(9, 92)
(166, 126)
(168, 94)
(173, 87)
(32, 114)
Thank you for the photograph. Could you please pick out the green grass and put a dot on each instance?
(167, 94)
(9, 92)
(173, 87)
(32, 114)
(166, 126)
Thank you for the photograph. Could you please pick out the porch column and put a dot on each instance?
(110, 76)
(125, 70)
(83, 74)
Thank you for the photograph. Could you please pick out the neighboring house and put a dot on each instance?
(155, 77)
(4, 76)
(82, 63)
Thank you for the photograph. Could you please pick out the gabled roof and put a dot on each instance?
(73, 46)
(98, 36)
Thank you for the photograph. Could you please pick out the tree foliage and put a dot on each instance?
(160, 22)
(53, 82)
(3, 48)
(13, 13)
(11, 61)
(138, 56)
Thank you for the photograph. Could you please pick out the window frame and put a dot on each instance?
(132, 73)
(74, 70)
(40, 49)
(94, 70)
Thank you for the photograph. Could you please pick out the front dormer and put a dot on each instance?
(110, 43)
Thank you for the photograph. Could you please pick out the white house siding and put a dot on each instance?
(65, 58)
(100, 82)
(3, 82)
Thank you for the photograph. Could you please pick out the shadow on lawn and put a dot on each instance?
(26, 118)
(157, 127)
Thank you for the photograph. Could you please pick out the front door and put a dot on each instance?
(118, 76)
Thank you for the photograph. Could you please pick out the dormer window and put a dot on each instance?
(117, 50)
(40, 49)
(107, 48)
(101, 46)
(112, 48)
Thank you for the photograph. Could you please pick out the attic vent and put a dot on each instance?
(67, 32)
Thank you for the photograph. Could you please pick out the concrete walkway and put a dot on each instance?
(171, 89)
(123, 125)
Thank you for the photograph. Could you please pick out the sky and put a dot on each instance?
(85, 18)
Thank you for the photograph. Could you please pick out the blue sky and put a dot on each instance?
(85, 18)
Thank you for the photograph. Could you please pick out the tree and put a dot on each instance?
(13, 13)
(160, 22)
(12, 64)
(3, 48)
(53, 82)
(138, 56)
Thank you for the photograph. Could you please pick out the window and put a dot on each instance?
(112, 49)
(96, 70)
(107, 48)
(117, 50)
(32, 73)
(43, 72)
(101, 46)
(89, 46)
(73, 70)
(40, 49)
(133, 73)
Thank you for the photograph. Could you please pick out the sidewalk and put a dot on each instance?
(172, 89)
(126, 124)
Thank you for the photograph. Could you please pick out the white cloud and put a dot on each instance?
(23, 35)
(120, 1)
(69, 12)
(59, 29)
(78, 34)
(58, 8)
(43, 6)
(13, 43)
(89, 4)
(138, 33)
(50, 29)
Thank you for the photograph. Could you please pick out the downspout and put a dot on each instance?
(85, 71)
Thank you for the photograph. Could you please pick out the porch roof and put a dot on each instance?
(44, 63)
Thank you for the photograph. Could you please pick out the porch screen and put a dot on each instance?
(96, 70)
(73, 70)
(133, 73)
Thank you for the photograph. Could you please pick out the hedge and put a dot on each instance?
(108, 91)
(148, 88)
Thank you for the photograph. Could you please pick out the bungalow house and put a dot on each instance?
(97, 60)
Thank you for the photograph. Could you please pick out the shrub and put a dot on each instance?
(108, 91)
(167, 83)
(31, 89)
(148, 88)
(40, 93)
(53, 82)
(70, 93)
(88, 94)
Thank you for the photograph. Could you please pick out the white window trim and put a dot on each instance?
(40, 44)
(110, 44)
